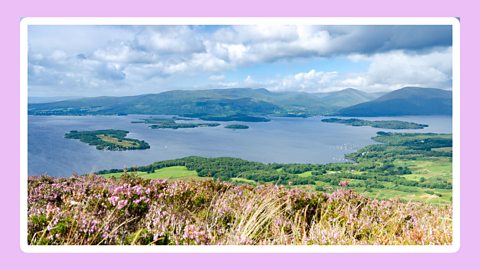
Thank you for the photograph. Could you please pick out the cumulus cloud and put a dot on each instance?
(216, 77)
(123, 59)
(311, 81)
(386, 71)
(396, 69)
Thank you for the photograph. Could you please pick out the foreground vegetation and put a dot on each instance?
(93, 210)
(109, 139)
(409, 166)
(390, 124)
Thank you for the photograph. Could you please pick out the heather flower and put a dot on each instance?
(82, 210)
(113, 200)
(122, 203)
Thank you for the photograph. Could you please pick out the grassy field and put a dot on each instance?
(438, 167)
(431, 170)
(423, 170)
(116, 141)
(174, 172)
(305, 174)
(409, 194)
(411, 167)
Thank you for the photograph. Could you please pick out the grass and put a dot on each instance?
(305, 174)
(409, 194)
(174, 172)
(116, 141)
(442, 149)
(431, 169)
(93, 210)
(243, 180)
(439, 167)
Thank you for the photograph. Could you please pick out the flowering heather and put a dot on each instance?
(91, 210)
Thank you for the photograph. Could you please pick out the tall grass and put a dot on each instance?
(92, 210)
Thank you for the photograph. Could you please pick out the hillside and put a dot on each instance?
(212, 102)
(347, 97)
(93, 210)
(405, 101)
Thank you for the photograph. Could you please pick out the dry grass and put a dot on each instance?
(132, 211)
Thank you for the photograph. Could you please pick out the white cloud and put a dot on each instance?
(396, 69)
(107, 59)
(124, 53)
(216, 77)
(310, 81)
(386, 71)
(170, 39)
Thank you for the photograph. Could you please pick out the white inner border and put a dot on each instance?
(25, 22)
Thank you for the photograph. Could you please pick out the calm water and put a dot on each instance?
(283, 140)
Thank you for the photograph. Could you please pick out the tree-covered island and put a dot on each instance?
(390, 124)
(236, 126)
(228, 117)
(109, 139)
(156, 123)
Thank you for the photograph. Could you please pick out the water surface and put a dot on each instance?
(282, 140)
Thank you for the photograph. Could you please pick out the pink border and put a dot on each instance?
(10, 17)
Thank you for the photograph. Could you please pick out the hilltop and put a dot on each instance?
(209, 103)
(405, 101)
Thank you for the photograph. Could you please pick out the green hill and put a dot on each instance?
(208, 103)
(405, 101)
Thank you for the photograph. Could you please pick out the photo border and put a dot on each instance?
(454, 22)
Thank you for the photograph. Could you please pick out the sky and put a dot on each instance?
(132, 60)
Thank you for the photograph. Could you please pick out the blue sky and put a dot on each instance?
(130, 60)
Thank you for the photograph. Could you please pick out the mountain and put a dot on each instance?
(48, 99)
(217, 102)
(172, 102)
(405, 101)
(347, 97)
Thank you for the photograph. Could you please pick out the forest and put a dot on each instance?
(390, 124)
(405, 165)
(172, 123)
(236, 126)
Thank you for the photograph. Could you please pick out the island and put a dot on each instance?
(171, 123)
(236, 126)
(109, 139)
(389, 124)
(228, 117)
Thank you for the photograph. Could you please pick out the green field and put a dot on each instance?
(439, 168)
(174, 172)
(305, 174)
(119, 142)
(408, 166)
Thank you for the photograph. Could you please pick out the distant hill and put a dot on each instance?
(220, 103)
(48, 99)
(347, 97)
(405, 101)
(216, 102)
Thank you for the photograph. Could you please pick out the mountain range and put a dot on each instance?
(260, 102)
(405, 101)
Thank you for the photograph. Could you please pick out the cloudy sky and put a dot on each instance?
(130, 60)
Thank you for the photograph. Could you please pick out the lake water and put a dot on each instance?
(282, 140)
